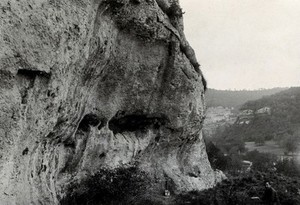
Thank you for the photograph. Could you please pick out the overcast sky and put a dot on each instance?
(245, 44)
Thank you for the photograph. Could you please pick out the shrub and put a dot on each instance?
(288, 167)
(239, 190)
(107, 187)
(261, 161)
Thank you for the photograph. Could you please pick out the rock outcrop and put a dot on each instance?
(97, 84)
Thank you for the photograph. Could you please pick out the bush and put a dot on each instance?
(108, 187)
(239, 190)
(288, 167)
(215, 156)
(261, 161)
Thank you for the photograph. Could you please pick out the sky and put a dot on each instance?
(245, 44)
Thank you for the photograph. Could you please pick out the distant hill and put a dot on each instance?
(228, 98)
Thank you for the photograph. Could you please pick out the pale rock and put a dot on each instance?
(95, 84)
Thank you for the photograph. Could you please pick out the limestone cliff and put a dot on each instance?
(97, 84)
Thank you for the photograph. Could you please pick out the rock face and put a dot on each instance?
(94, 84)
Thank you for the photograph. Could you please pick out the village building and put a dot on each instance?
(263, 111)
(245, 117)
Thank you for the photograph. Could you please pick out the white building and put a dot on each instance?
(264, 110)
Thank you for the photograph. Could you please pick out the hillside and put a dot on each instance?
(223, 106)
(285, 105)
(272, 122)
(229, 98)
(280, 124)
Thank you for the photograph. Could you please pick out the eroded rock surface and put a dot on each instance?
(94, 84)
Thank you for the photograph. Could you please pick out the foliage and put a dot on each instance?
(261, 161)
(239, 190)
(288, 167)
(284, 119)
(216, 157)
(234, 165)
(175, 10)
(289, 142)
(230, 163)
(282, 124)
(107, 187)
(229, 139)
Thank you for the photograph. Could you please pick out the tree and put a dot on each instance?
(261, 161)
(290, 143)
(288, 167)
(216, 157)
(260, 140)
